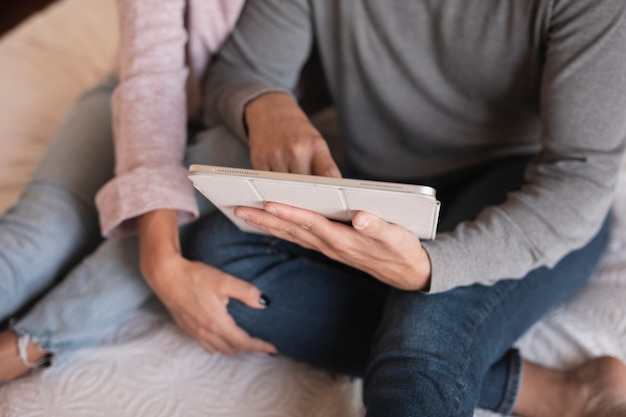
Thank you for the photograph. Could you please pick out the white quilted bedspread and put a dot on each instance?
(150, 368)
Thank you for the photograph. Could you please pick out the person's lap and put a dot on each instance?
(463, 337)
(326, 314)
(319, 311)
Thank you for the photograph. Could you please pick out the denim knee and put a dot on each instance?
(418, 364)
(321, 312)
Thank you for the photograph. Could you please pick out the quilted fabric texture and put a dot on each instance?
(148, 367)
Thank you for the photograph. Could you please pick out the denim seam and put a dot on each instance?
(486, 310)
(512, 387)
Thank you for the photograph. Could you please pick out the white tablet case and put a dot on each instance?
(413, 207)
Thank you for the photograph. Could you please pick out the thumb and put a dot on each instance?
(246, 293)
(368, 224)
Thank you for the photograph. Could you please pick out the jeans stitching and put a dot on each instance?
(512, 385)
(486, 310)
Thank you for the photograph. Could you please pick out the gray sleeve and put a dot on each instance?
(265, 53)
(570, 185)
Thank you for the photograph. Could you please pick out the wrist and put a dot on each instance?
(262, 107)
(159, 241)
(426, 272)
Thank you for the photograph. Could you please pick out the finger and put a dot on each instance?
(240, 341)
(208, 348)
(258, 162)
(306, 228)
(300, 162)
(219, 344)
(282, 229)
(267, 160)
(278, 165)
(261, 346)
(290, 232)
(263, 218)
(323, 163)
(196, 333)
(315, 225)
(245, 292)
(289, 223)
(252, 344)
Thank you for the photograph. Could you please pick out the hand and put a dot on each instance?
(386, 251)
(195, 294)
(282, 138)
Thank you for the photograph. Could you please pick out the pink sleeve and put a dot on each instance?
(150, 113)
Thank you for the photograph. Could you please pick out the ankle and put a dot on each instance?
(602, 384)
(548, 392)
(31, 355)
(18, 356)
(595, 389)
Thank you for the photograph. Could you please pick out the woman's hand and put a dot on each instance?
(195, 294)
(386, 251)
(282, 138)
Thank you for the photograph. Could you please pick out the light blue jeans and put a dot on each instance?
(421, 355)
(60, 283)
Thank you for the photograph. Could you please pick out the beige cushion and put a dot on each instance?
(47, 62)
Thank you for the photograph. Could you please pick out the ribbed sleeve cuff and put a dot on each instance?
(140, 191)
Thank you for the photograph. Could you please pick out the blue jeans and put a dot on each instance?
(420, 355)
(60, 283)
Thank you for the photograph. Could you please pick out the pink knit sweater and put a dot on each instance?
(165, 47)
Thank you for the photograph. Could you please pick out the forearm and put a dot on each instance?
(569, 185)
(159, 241)
(276, 36)
(149, 118)
(270, 107)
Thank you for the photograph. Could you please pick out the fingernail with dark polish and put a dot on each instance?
(264, 300)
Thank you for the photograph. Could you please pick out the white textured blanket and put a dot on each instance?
(149, 367)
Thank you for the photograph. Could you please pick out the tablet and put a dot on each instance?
(414, 207)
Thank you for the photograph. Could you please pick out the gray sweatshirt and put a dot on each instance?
(423, 87)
